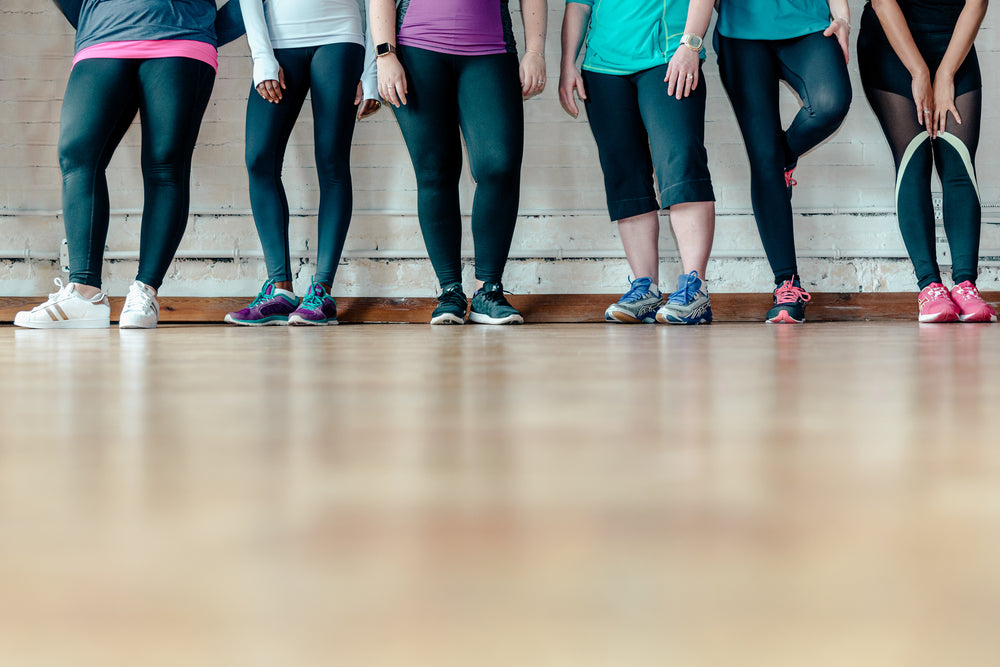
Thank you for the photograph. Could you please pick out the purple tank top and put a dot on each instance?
(461, 27)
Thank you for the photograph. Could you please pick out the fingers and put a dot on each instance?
(532, 83)
(358, 95)
(269, 90)
(567, 101)
(367, 108)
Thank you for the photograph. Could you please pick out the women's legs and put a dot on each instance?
(335, 72)
(623, 147)
(175, 93)
(814, 67)
(100, 102)
(429, 124)
(268, 127)
(912, 154)
(750, 73)
(491, 115)
(955, 158)
(677, 141)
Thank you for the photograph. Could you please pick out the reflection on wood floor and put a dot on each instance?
(542, 495)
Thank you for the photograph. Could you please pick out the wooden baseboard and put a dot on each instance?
(554, 308)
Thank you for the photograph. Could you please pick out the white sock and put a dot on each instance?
(285, 293)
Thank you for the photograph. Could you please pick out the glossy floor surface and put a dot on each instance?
(578, 495)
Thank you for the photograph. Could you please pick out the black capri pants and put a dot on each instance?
(640, 129)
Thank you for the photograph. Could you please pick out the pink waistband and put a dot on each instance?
(153, 48)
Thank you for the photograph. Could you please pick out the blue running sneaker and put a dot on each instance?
(690, 304)
(637, 306)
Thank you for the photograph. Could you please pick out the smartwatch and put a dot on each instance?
(692, 41)
(384, 49)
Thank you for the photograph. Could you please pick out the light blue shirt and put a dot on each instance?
(772, 19)
(629, 36)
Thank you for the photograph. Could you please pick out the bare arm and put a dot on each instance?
(391, 77)
(534, 15)
(894, 24)
(840, 26)
(576, 18)
(685, 66)
(966, 29)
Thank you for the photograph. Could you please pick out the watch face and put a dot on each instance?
(694, 41)
(383, 49)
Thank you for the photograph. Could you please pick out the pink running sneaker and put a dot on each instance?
(936, 304)
(971, 306)
(790, 181)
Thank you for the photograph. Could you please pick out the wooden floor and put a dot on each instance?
(578, 495)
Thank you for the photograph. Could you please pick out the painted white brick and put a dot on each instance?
(564, 241)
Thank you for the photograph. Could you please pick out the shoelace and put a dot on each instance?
(453, 297)
(314, 299)
(967, 291)
(53, 296)
(139, 300)
(789, 293)
(684, 293)
(935, 292)
(639, 289)
(262, 296)
(789, 181)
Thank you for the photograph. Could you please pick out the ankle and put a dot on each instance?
(86, 291)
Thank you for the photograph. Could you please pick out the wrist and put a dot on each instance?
(540, 54)
(844, 20)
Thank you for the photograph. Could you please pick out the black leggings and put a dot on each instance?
(813, 65)
(481, 95)
(102, 97)
(332, 73)
(887, 86)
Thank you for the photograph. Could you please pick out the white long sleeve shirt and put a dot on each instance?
(283, 24)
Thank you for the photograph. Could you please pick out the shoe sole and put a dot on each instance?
(616, 317)
(784, 318)
(447, 318)
(479, 318)
(978, 318)
(137, 326)
(269, 322)
(296, 321)
(66, 324)
(938, 318)
(672, 319)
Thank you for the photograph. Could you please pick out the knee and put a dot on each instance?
(829, 108)
(77, 154)
(502, 167)
(437, 174)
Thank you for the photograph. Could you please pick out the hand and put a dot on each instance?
(683, 72)
(923, 97)
(569, 81)
(532, 74)
(367, 108)
(391, 80)
(841, 28)
(944, 101)
(270, 89)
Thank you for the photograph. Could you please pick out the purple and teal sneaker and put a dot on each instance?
(268, 309)
(317, 308)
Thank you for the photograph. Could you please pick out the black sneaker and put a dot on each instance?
(452, 305)
(490, 306)
(789, 304)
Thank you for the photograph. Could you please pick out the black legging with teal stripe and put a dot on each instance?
(887, 86)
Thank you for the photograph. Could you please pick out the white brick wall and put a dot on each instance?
(846, 233)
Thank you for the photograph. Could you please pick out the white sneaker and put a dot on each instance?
(141, 310)
(66, 309)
